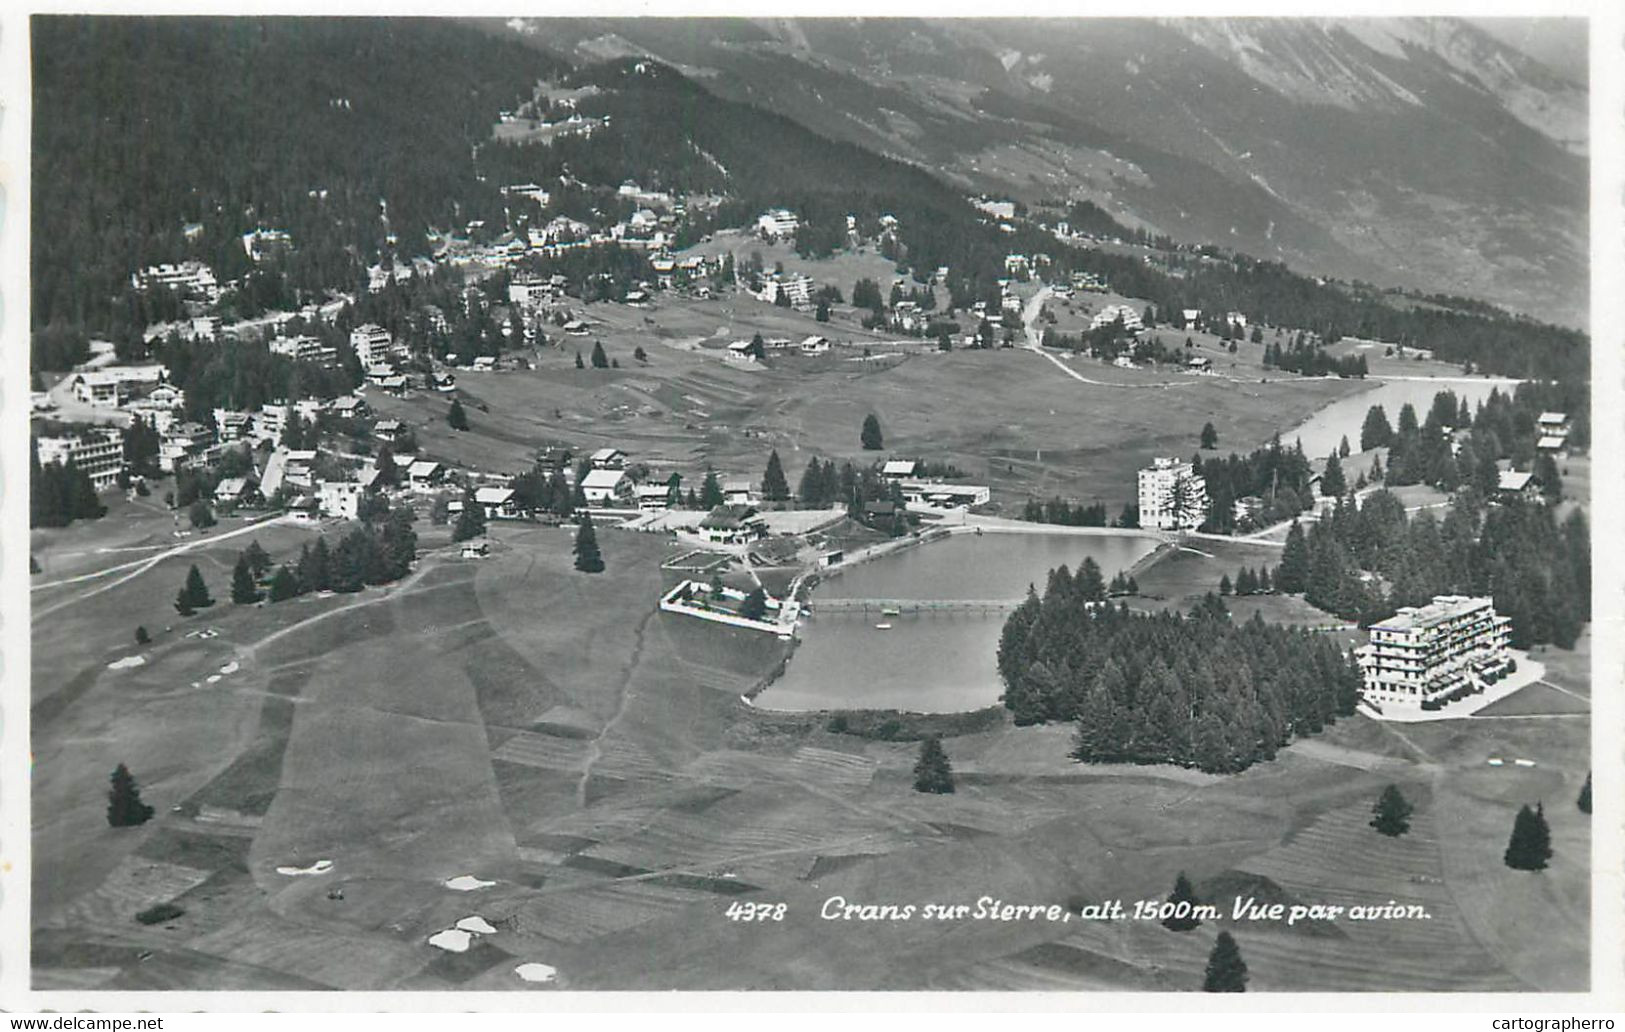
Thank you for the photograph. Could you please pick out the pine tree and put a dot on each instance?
(1376, 431)
(471, 521)
(143, 638)
(1224, 584)
(580, 364)
(639, 354)
(1292, 575)
(754, 607)
(871, 437)
(774, 487)
(1210, 437)
(588, 559)
(599, 359)
(1392, 813)
(1332, 484)
(1531, 843)
(1343, 447)
(243, 590)
(124, 806)
(194, 594)
(456, 417)
(1584, 802)
(710, 490)
(1226, 971)
(1183, 893)
(258, 560)
(284, 585)
(932, 773)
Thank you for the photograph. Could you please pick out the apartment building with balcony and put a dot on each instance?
(1425, 654)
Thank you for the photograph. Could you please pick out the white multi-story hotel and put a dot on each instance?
(1173, 496)
(780, 222)
(98, 452)
(304, 348)
(373, 345)
(1424, 653)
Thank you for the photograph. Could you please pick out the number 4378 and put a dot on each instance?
(756, 911)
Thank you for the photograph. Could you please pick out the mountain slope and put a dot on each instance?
(1410, 152)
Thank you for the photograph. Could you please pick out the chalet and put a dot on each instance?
(498, 502)
(815, 345)
(736, 491)
(575, 328)
(1199, 364)
(1515, 485)
(423, 473)
(1190, 316)
(97, 389)
(348, 407)
(741, 351)
(654, 497)
(387, 430)
(1553, 445)
(608, 458)
(733, 525)
(606, 486)
(232, 425)
(879, 510)
(898, 469)
(1553, 424)
(1111, 313)
(234, 491)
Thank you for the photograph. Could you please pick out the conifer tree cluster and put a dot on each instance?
(1276, 474)
(1064, 513)
(1123, 584)
(364, 556)
(1537, 571)
(823, 484)
(1198, 690)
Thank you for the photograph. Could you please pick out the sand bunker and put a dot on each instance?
(536, 972)
(451, 940)
(319, 867)
(231, 668)
(212, 678)
(476, 924)
(127, 661)
(467, 883)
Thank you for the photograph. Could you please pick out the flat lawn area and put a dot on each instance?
(1535, 699)
(554, 733)
(1008, 418)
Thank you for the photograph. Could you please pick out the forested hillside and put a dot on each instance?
(318, 126)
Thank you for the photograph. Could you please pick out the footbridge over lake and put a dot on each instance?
(914, 605)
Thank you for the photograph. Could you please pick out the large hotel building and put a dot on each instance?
(1423, 654)
(1173, 496)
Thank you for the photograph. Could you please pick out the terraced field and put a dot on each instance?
(585, 764)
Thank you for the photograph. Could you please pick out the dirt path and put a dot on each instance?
(595, 750)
